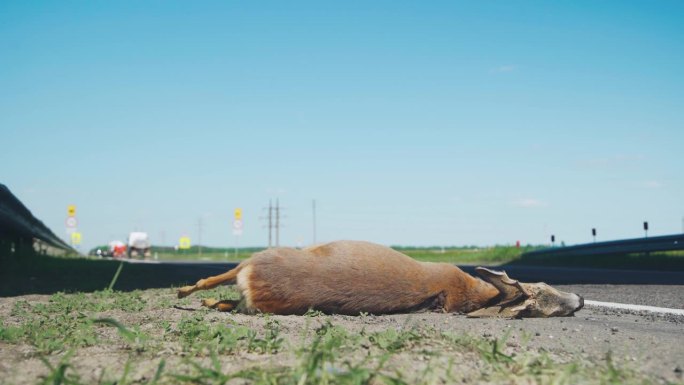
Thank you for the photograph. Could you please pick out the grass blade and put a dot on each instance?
(116, 276)
(129, 335)
(157, 375)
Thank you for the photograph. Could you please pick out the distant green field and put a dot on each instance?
(225, 256)
(464, 255)
(493, 255)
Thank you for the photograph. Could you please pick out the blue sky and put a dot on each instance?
(413, 123)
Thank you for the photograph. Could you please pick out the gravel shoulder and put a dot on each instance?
(645, 344)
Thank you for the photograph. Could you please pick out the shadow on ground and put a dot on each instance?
(47, 275)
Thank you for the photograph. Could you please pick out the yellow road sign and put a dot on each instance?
(75, 238)
(71, 210)
(238, 214)
(184, 243)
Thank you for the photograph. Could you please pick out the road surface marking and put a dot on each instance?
(141, 261)
(629, 306)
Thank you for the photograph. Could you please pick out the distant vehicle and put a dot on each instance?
(139, 245)
(117, 249)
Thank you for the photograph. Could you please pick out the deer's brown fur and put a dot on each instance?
(350, 277)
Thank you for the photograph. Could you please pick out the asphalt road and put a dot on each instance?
(648, 288)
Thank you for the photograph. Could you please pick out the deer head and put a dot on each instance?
(518, 300)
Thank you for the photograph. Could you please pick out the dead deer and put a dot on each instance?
(351, 277)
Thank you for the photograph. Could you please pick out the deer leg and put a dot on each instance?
(209, 283)
(224, 305)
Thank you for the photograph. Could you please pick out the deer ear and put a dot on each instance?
(510, 289)
(501, 311)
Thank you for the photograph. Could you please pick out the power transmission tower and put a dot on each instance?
(273, 222)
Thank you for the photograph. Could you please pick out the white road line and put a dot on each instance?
(141, 261)
(629, 306)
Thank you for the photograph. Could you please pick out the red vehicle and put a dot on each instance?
(117, 249)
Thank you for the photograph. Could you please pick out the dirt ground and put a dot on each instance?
(434, 347)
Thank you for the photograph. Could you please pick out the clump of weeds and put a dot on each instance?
(200, 337)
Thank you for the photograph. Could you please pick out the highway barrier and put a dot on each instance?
(21, 233)
(619, 247)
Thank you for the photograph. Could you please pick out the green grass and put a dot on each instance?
(195, 348)
(324, 354)
(63, 322)
(459, 255)
(495, 255)
(470, 255)
(191, 255)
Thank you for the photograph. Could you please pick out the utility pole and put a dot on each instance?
(270, 223)
(273, 222)
(313, 205)
(277, 224)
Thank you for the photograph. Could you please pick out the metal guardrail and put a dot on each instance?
(18, 226)
(623, 246)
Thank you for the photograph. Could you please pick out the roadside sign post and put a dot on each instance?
(237, 228)
(71, 222)
(75, 238)
(593, 234)
(184, 242)
(71, 226)
(645, 229)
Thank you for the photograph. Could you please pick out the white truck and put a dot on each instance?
(139, 245)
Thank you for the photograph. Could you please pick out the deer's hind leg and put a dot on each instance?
(228, 277)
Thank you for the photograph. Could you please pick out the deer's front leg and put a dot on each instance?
(223, 306)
